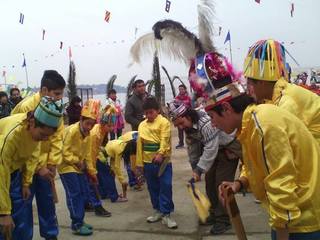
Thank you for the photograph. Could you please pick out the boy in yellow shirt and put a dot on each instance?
(153, 154)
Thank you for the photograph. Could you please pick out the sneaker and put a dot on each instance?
(257, 201)
(179, 146)
(88, 225)
(219, 228)
(155, 217)
(101, 212)
(209, 221)
(167, 220)
(82, 231)
(88, 207)
(137, 188)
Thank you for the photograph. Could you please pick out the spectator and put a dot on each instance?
(119, 124)
(5, 107)
(74, 110)
(182, 98)
(134, 112)
(15, 97)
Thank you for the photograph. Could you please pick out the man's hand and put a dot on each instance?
(158, 159)
(139, 175)
(26, 193)
(235, 186)
(6, 225)
(53, 169)
(282, 234)
(196, 176)
(46, 173)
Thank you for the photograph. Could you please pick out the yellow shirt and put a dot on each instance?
(156, 132)
(76, 148)
(51, 150)
(18, 151)
(97, 136)
(115, 149)
(301, 102)
(281, 161)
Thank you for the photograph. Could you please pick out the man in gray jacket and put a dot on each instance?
(212, 152)
(134, 112)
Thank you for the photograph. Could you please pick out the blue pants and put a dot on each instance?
(72, 183)
(131, 176)
(90, 196)
(299, 236)
(107, 185)
(160, 188)
(21, 214)
(41, 188)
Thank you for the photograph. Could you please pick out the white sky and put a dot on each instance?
(80, 22)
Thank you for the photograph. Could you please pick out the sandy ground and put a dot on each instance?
(128, 219)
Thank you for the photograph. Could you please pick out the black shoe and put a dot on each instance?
(88, 208)
(179, 146)
(100, 211)
(209, 221)
(219, 228)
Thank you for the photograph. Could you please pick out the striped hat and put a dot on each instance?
(176, 110)
(49, 112)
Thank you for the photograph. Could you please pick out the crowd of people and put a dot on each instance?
(268, 124)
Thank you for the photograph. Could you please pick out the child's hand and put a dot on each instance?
(158, 159)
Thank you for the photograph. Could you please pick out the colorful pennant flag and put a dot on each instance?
(228, 37)
(43, 33)
(107, 16)
(168, 4)
(257, 1)
(292, 9)
(24, 61)
(220, 28)
(21, 20)
(61, 45)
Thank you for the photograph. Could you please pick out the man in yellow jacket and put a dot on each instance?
(275, 146)
(52, 86)
(20, 150)
(122, 148)
(267, 81)
(76, 160)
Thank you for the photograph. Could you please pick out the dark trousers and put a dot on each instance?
(113, 135)
(160, 188)
(299, 236)
(90, 196)
(21, 214)
(223, 169)
(181, 136)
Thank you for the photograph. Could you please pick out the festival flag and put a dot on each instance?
(257, 1)
(168, 4)
(43, 33)
(220, 28)
(292, 9)
(70, 53)
(21, 18)
(228, 38)
(24, 61)
(107, 16)
(61, 45)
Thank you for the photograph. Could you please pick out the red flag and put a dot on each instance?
(292, 9)
(61, 45)
(70, 53)
(107, 16)
(43, 33)
(257, 1)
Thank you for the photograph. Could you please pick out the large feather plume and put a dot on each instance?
(206, 26)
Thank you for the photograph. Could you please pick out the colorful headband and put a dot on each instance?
(91, 109)
(49, 112)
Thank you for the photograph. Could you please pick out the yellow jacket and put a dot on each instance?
(97, 136)
(51, 150)
(115, 149)
(18, 151)
(281, 161)
(76, 148)
(156, 132)
(301, 102)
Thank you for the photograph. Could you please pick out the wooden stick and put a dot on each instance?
(54, 191)
(234, 213)
(124, 190)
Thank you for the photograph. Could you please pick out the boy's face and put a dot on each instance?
(151, 114)
(183, 123)
(3, 100)
(39, 133)
(55, 95)
(86, 125)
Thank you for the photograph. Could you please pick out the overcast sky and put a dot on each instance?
(101, 49)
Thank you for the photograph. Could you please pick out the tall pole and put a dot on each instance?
(230, 51)
(25, 68)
